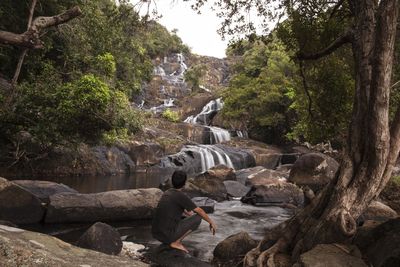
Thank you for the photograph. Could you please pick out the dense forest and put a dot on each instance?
(80, 85)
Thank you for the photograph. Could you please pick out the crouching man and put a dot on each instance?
(168, 226)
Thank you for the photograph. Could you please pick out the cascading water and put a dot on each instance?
(242, 134)
(218, 135)
(210, 156)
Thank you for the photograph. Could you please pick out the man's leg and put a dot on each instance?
(185, 227)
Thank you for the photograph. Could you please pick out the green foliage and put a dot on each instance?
(170, 115)
(194, 75)
(329, 81)
(257, 95)
(78, 87)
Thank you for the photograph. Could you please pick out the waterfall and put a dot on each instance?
(217, 135)
(210, 156)
(242, 134)
(201, 118)
(220, 135)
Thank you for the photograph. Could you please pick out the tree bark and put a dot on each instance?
(371, 151)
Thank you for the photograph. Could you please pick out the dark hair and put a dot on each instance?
(178, 179)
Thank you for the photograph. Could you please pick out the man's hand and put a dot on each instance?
(188, 213)
(213, 228)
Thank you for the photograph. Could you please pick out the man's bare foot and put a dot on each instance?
(179, 246)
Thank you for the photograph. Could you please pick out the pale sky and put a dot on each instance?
(199, 32)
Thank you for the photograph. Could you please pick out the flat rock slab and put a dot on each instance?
(119, 205)
(166, 256)
(30, 249)
(44, 189)
(331, 255)
(18, 205)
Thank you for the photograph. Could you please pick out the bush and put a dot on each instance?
(170, 115)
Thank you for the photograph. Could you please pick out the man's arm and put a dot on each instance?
(201, 212)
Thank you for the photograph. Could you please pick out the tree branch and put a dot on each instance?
(31, 38)
(305, 86)
(336, 8)
(345, 38)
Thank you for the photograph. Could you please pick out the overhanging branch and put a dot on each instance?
(343, 39)
(31, 38)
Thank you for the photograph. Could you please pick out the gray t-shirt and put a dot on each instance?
(168, 214)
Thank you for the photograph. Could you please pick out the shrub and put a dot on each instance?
(170, 115)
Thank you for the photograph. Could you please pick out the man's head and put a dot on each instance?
(178, 179)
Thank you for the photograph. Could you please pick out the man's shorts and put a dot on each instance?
(189, 223)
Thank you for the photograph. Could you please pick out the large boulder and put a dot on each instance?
(314, 170)
(206, 187)
(332, 255)
(377, 211)
(166, 256)
(220, 172)
(120, 205)
(44, 189)
(265, 177)
(143, 153)
(101, 237)
(17, 205)
(231, 250)
(380, 243)
(279, 193)
(236, 189)
(30, 249)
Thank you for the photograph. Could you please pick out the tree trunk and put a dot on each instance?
(371, 151)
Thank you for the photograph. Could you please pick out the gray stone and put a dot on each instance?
(377, 211)
(117, 205)
(332, 255)
(314, 170)
(30, 249)
(279, 193)
(101, 237)
(380, 243)
(166, 256)
(18, 205)
(231, 250)
(236, 189)
(44, 189)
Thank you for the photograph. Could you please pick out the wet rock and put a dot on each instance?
(231, 251)
(207, 204)
(166, 256)
(314, 170)
(236, 189)
(332, 255)
(285, 168)
(132, 250)
(101, 237)
(30, 249)
(279, 193)
(380, 243)
(44, 189)
(18, 205)
(377, 211)
(116, 205)
(194, 159)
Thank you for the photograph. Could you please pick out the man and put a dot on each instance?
(168, 226)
